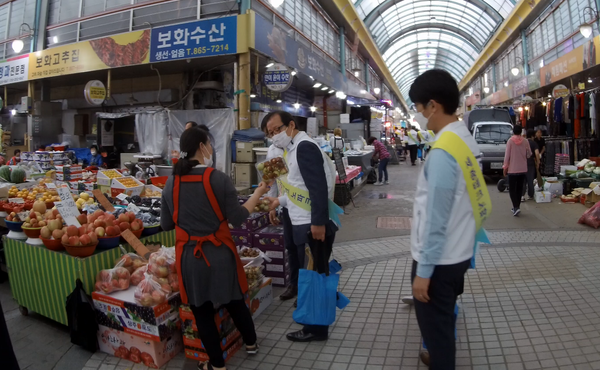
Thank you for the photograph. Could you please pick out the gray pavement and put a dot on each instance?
(532, 302)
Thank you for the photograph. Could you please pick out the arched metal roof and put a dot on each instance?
(416, 35)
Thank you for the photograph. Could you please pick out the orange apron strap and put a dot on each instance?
(224, 234)
(192, 178)
(211, 195)
(176, 199)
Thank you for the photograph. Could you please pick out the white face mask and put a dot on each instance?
(422, 120)
(282, 140)
(208, 161)
(93, 152)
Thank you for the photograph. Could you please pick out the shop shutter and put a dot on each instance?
(62, 11)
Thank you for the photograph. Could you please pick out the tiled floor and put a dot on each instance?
(532, 303)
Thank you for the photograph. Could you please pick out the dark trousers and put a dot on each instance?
(383, 169)
(413, 149)
(436, 317)
(209, 334)
(530, 176)
(295, 254)
(515, 188)
(7, 355)
(321, 252)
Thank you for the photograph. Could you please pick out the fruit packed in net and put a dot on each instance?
(112, 280)
(162, 262)
(131, 262)
(149, 292)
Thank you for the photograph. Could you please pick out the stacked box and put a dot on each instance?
(270, 241)
(69, 173)
(105, 177)
(254, 222)
(242, 238)
(119, 311)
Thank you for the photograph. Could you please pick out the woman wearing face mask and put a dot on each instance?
(199, 202)
(95, 157)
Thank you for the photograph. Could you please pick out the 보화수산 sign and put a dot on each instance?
(203, 38)
(14, 70)
(560, 91)
(108, 52)
(278, 78)
(95, 92)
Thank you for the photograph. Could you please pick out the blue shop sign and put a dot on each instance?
(203, 38)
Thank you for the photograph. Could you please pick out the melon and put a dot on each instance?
(5, 173)
(18, 176)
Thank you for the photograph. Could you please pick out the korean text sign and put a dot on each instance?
(14, 70)
(203, 38)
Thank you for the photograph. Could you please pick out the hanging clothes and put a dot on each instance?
(577, 116)
(593, 117)
(557, 111)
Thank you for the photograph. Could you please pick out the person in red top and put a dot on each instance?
(16, 159)
(384, 157)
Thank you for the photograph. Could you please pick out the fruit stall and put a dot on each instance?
(104, 229)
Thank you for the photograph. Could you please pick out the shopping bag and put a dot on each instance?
(317, 296)
(334, 267)
(342, 301)
(81, 316)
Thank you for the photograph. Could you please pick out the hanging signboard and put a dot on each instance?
(95, 92)
(560, 91)
(14, 70)
(278, 78)
(108, 52)
(203, 38)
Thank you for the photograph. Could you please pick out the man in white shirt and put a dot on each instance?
(413, 143)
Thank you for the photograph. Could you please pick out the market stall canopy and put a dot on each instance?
(416, 35)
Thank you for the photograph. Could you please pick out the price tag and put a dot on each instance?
(50, 185)
(68, 212)
(133, 208)
(122, 196)
(65, 194)
(136, 244)
(103, 201)
(16, 200)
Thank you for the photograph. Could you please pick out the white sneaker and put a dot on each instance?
(387, 183)
(378, 184)
(523, 199)
(409, 300)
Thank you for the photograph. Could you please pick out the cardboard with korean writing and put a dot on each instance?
(68, 212)
(103, 200)
(203, 38)
(136, 244)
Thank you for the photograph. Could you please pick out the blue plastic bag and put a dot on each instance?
(334, 267)
(317, 298)
(342, 301)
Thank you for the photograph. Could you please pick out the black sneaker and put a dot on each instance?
(516, 212)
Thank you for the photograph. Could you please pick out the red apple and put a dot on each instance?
(82, 230)
(93, 237)
(58, 234)
(136, 225)
(85, 239)
(82, 219)
(72, 230)
(55, 212)
(131, 216)
(74, 240)
(124, 226)
(99, 223)
(123, 218)
(65, 239)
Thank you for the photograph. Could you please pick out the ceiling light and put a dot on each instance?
(318, 84)
(324, 88)
(356, 73)
(515, 71)
(520, 109)
(541, 63)
(549, 95)
(270, 64)
(350, 102)
(297, 105)
(486, 89)
(311, 77)
(376, 90)
(331, 91)
(17, 45)
(586, 30)
(278, 101)
(358, 106)
(363, 91)
(589, 80)
(526, 107)
(276, 3)
(544, 103)
(505, 83)
(13, 112)
(253, 95)
(293, 73)
(313, 109)
(55, 39)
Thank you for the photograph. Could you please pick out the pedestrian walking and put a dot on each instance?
(515, 166)
(451, 204)
(412, 141)
(533, 164)
(384, 156)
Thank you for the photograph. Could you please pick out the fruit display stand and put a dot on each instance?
(41, 279)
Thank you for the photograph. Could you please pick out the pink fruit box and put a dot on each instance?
(138, 349)
(143, 320)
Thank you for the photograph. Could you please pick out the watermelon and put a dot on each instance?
(5, 173)
(18, 176)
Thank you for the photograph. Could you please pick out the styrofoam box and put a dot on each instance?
(543, 197)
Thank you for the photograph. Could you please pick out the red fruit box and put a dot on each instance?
(123, 303)
(155, 333)
(228, 336)
(199, 355)
(138, 349)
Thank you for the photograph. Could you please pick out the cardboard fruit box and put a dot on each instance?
(138, 349)
(128, 185)
(261, 298)
(277, 255)
(199, 355)
(270, 236)
(105, 177)
(123, 304)
(189, 321)
(229, 335)
(155, 333)
(254, 222)
(242, 238)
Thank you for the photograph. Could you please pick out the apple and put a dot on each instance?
(159, 296)
(32, 215)
(93, 237)
(100, 231)
(146, 300)
(124, 226)
(45, 232)
(162, 271)
(135, 225)
(131, 216)
(90, 228)
(55, 212)
(58, 234)
(85, 239)
(82, 230)
(72, 230)
(123, 218)
(65, 239)
(100, 223)
(74, 240)
(82, 219)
